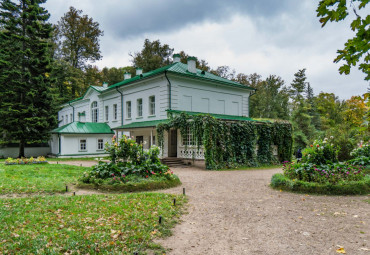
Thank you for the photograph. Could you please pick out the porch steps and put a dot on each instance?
(173, 162)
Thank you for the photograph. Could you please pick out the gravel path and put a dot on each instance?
(236, 212)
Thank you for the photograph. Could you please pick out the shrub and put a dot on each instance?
(332, 173)
(22, 161)
(129, 162)
(363, 150)
(321, 152)
(282, 182)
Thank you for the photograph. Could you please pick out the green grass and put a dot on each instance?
(37, 178)
(251, 168)
(96, 224)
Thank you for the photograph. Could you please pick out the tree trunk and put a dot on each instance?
(21, 148)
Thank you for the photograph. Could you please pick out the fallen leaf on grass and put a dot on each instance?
(341, 250)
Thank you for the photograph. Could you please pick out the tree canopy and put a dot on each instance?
(356, 49)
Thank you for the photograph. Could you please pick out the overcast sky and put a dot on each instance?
(263, 36)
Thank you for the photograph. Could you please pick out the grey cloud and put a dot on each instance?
(139, 17)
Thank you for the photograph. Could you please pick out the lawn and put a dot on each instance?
(37, 178)
(104, 224)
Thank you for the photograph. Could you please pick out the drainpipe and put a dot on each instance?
(169, 90)
(60, 145)
(121, 106)
(249, 102)
(73, 111)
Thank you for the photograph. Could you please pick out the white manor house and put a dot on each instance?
(137, 104)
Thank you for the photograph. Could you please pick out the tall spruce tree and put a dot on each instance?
(27, 110)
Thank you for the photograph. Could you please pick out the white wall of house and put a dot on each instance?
(70, 144)
(206, 97)
(143, 90)
(54, 144)
(111, 100)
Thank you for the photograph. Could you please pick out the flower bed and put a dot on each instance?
(131, 169)
(320, 172)
(23, 161)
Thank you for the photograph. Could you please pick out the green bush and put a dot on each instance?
(133, 183)
(279, 181)
(321, 152)
(362, 151)
(332, 173)
(129, 164)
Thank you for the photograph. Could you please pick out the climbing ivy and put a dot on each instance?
(229, 144)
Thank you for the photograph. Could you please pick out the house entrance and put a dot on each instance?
(172, 143)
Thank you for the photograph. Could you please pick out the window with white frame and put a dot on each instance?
(128, 110)
(189, 139)
(140, 107)
(152, 105)
(62, 120)
(83, 145)
(106, 113)
(67, 119)
(94, 112)
(71, 117)
(100, 144)
(115, 113)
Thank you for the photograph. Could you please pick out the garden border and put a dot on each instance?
(149, 185)
(279, 181)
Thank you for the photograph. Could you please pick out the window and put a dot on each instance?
(62, 121)
(140, 107)
(82, 144)
(107, 113)
(71, 117)
(94, 111)
(189, 139)
(66, 119)
(100, 144)
(139, 139)
(115, 112)
(152, 105)
(128, 110)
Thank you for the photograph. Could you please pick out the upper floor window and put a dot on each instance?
(128, 109)
(94, 111)
(106, 113)
(62, 120)
(67, 119)
(140, 107)
(71, 117)
(115, 113)
(152, 105)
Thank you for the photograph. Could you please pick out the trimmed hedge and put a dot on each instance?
(279, 181)
(146, 185)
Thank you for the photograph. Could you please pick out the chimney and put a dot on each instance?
(105, 84)
(127, 75)
(176, 58)
(192, 64)
(139, 71)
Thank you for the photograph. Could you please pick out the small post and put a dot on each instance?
(174, 201)
(74, 193)
(57, 162)
(66, 188)
(80, 164)
(160, 220)
(183, 191)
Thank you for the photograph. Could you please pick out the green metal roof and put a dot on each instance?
(219, 116)
(99, 88)
(182, 69)
(83, 128)
(142, 124)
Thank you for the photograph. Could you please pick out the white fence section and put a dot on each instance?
(190, 152)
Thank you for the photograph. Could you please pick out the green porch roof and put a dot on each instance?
(83, 128)
(220, 116)
(182, 70)
(142, 124)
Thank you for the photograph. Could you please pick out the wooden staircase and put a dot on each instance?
(173, 162)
